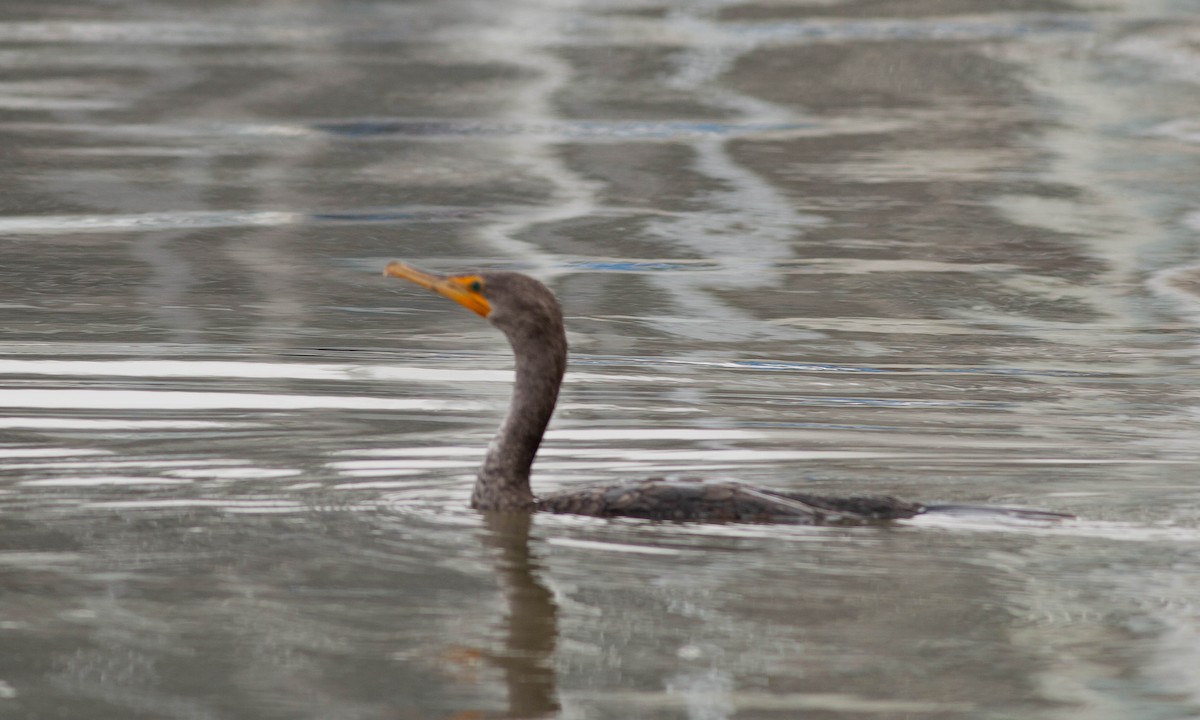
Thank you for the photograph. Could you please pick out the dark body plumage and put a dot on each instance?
(697, 500)
(530, 317)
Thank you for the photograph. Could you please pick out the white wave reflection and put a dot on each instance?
(234, 473)
(290, 371)
(634, 434)
(49, 452)
(96, 464)
(611, 546)
(168, 400)
(13, 101)
(376, 484)
(55, 224)
(410, 464)
(1185, 130)
(1171, 51)
(734, 455)
(55, 423)
(154, 33)
(411, 452)
(1091, 529)
(102, 480)
(234, 506)
(762, 701)
(399, 466)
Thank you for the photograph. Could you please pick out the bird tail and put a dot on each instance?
(997, 512)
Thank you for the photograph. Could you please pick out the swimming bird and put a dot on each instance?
(529, 315)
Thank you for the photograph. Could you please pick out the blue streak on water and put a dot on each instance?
(577, 129)
(629, 265)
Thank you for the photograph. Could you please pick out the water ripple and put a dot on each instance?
(567, 130)
(84, 399)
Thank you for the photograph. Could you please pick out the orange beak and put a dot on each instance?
(466, 290)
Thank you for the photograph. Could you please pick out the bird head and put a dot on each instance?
(517, 304)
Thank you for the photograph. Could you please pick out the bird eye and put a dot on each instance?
(476, 286)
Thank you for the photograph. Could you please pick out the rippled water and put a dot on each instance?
(946, 250)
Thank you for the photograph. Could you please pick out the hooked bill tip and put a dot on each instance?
(395, 269)
(404, 271)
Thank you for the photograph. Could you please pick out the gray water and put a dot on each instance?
(945, 249)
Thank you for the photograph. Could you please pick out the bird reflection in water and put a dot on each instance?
(527, 659)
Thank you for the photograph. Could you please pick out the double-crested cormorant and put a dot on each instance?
(530, 317)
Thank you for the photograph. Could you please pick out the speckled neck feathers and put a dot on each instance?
(530, 317)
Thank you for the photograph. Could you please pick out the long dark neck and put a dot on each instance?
(503, 482)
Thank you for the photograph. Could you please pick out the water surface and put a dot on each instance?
(946, 250)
